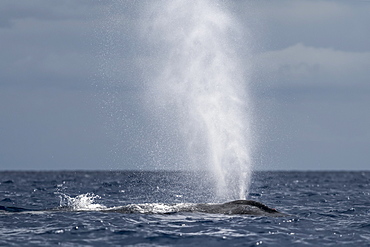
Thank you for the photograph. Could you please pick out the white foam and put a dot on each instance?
(83, 202)
(154, 208)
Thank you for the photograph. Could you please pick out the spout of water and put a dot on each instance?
(204, 86)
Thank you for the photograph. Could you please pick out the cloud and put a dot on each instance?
(312, 78)
(43, 10)
(52, 45)
(300, 64)
(341, 25)
(315, 102)
(306, 11)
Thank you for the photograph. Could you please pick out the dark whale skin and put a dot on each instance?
(247, 207)
(238, 207)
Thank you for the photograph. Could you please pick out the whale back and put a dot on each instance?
(247, 207)
(255, 204)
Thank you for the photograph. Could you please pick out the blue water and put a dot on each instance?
(323, 209)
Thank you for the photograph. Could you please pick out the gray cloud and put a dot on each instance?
(318, 98)
(340, 25)
(14, 11)
(300, 64)
(311, 83)
(73, 76)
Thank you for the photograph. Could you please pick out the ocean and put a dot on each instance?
(69, 208)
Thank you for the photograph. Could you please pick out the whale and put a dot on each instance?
(12, 209)
(249, 207)
(238, 207)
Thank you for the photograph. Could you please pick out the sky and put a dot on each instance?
(73, 76)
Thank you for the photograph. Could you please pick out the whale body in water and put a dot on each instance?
(245, 207)
(236, 207)
(241, 207)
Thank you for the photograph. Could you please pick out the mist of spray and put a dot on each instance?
(202, 86)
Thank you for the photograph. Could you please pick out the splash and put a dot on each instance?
(83, 202)
(201, 89)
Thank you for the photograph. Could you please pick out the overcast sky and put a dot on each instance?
(73, 76)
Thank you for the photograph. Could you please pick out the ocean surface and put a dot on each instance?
(69, 209)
